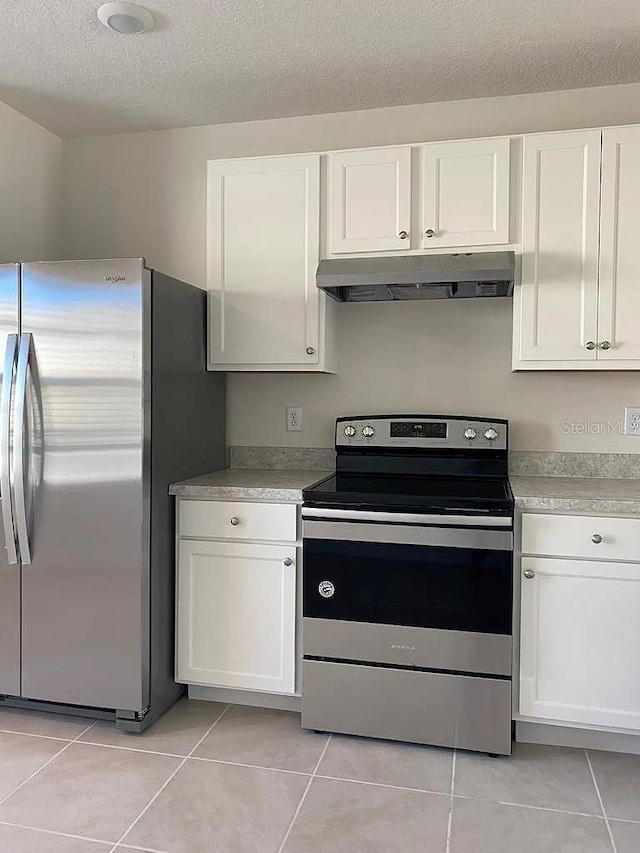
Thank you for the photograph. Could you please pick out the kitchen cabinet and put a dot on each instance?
(236, 600)
(576, 305)
(462, 198)
(557, 301)
(369, 200)
(579, 623)
(236, 615)
(265, 311)
(465, 193)
(619, 278)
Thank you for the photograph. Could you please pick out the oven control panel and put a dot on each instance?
(421, 431)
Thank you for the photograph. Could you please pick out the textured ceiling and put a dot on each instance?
(213, 61)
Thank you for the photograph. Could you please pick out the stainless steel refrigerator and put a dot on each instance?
(105, 400)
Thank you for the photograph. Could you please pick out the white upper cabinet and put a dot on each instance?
(265, 311)
(369, 200)
(619, 293)
(579, 299)
(557, 302)
(465, 194)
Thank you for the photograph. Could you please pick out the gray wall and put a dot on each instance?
(30, 189)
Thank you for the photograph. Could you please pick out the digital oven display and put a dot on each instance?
(418, 429)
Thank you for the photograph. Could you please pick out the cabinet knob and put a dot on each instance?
(590, 345)
(596, 539)
(235, 520)
(403, 235)
(528, 574)
(310, 350)
(605, 345)
(429, 232)
(287, 561)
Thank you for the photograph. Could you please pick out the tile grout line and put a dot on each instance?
(304, 795)
(46, 763)
(450, 818)
(379, 785)
(166, 782)
(33, 734)
(133, 749)
(535, 808)
(241, 764)
(56, 833)
(595, 785)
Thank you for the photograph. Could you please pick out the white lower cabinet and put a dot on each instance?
(579, 640)
(236, 615)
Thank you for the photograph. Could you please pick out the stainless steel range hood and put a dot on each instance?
(411, 277)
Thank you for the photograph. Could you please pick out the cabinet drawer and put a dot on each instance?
(574, 535)
(237, 520)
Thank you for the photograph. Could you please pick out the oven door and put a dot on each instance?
(396, 569)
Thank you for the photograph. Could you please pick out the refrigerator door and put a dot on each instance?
(81, 495)
(9, 565)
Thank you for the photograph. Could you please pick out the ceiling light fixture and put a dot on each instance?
(126, 18)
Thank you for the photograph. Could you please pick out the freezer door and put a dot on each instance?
(9, 565)
(80, 490)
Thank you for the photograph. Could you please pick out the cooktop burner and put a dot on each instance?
(418, 462)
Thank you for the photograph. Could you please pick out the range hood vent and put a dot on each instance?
(457, 276)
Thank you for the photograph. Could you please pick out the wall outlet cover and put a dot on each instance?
(294, 418)
(632, 420)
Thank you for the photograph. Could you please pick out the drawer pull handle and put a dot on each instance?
(528, 574)
(235, 521)
(287, 561)
(596, 539)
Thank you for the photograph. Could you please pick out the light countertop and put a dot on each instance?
(590, 495)
(262, 484)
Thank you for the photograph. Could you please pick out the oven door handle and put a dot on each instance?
(405, 534)
(407, 518)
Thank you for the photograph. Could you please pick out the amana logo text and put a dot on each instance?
(402, 648)
(114, 278)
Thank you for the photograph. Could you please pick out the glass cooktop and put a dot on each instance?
(475, 494)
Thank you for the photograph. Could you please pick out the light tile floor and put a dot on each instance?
(210, 778)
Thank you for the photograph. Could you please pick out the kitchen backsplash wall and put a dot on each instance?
(442, 357)
(145, 194)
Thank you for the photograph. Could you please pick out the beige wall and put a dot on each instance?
(145, 194)
(30, 189)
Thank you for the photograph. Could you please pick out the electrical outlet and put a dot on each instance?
(632, 420)
(294, 418)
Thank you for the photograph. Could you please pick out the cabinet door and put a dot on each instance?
(619, 294)
(580, 634)
(263, 252)
(557, 301)
(236, 615)
(370, 200)
(465, 193)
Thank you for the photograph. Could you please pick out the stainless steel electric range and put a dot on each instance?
(408, 583)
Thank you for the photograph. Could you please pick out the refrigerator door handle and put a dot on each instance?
(5, 448)
(26, 360)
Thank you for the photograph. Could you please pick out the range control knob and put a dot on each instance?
(349, 431)
(490, 434)
(368, 431)
(470, 433)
